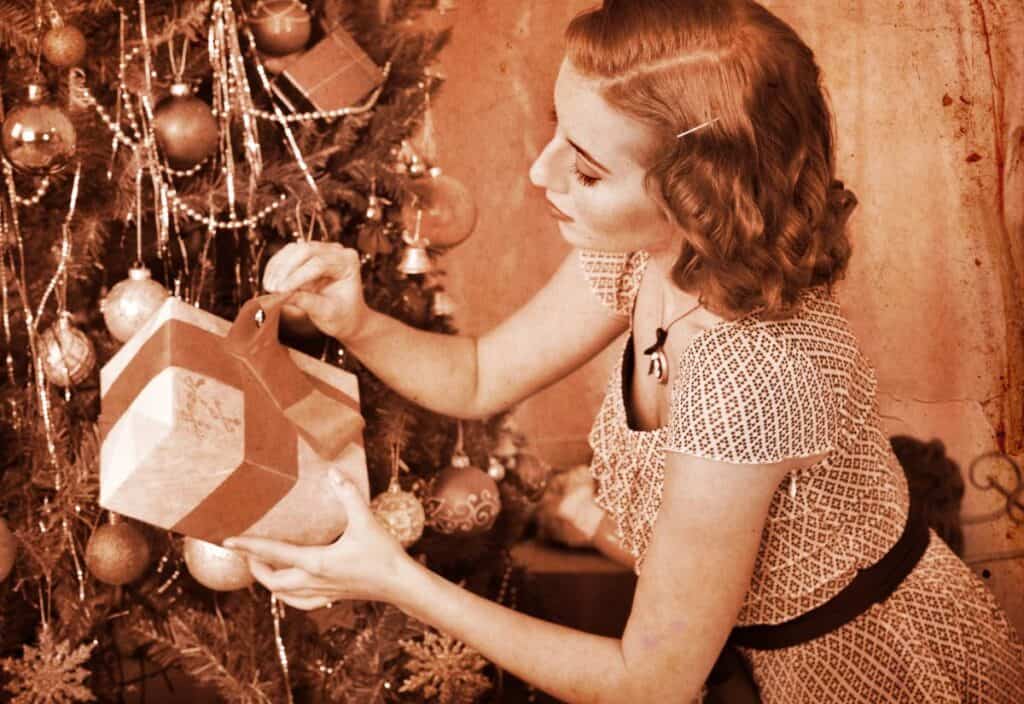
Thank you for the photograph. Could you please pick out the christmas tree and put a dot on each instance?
(158, 150)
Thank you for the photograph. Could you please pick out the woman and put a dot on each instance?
(738, 450)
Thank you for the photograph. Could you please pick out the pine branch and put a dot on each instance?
(206, 650)
(17, 26)
(192, 22)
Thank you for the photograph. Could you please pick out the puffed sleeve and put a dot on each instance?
(614, 277)
(745, 398)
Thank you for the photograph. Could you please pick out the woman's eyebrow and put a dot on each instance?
(583, 152)
(586, 155)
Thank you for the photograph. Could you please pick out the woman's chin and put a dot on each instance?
(572, 233)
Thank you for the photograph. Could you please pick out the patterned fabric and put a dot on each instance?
(758, 391)
(721, 410)
(940, 638)
(614, 277)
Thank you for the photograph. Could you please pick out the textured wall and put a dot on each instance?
(929, 111)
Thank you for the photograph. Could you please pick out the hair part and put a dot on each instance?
(755, 192)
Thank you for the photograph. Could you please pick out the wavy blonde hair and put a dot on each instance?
(755, 191)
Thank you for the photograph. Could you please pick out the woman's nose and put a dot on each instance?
(544, 172)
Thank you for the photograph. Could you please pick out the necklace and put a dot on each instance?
(658, 367)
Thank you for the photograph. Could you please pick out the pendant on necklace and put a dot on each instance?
(658, 366)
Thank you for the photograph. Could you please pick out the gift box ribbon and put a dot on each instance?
(252, 359)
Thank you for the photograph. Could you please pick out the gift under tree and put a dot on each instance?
(156, 153)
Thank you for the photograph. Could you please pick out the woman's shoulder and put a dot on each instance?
(817, 323)
(748, 394)
(614, 277)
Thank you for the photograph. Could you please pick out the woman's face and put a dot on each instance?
(593, 175)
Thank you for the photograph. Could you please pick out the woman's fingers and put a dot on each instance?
(290, 579)
(304, 603)
(299, 263)
(315, 305)
(290, 256)
(277, 553)
(356, 507)
(313, 268)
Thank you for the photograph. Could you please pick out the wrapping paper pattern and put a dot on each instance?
(212, 429)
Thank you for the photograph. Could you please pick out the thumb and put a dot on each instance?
(348, 493)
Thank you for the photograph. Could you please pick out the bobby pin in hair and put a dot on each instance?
(694, 129)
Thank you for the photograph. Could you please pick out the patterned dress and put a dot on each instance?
(760, 391)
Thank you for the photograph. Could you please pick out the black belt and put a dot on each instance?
(872, 585)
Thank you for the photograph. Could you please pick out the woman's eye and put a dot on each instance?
(583, 178)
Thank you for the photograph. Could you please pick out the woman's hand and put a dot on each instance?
(362, 564)
(325, 284)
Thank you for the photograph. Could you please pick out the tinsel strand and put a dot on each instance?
(4, 291)
(65, 247)
(277, 610)
(74, 556)
(293, 145)
(30, 326)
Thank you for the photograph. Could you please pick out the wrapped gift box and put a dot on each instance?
(336, 73)
(214, 429)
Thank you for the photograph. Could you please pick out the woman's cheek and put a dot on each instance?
(617, 219)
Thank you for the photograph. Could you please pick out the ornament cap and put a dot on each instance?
(460, 460)
(36, 92)
(139, 272)
(416, 167)
(180, 89)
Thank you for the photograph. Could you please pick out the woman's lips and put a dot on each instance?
(558, 214)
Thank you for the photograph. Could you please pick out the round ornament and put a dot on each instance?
(117, 553)
(68, 355)
(533, 474)
(8, 550)
(38, 137)
(215, 567)
(131, 303)
(401, 512)
(496, 470)
(185, 128)
(449, 211)
(464, 500)
(64, 46)
(281, 27)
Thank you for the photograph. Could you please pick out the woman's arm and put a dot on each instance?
(696, 573)
(562, 327)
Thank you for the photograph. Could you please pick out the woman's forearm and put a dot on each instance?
(437, 371)
(571, 665)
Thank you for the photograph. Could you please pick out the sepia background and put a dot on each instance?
(929, 111)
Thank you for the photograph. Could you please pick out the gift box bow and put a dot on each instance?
(281, 403)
